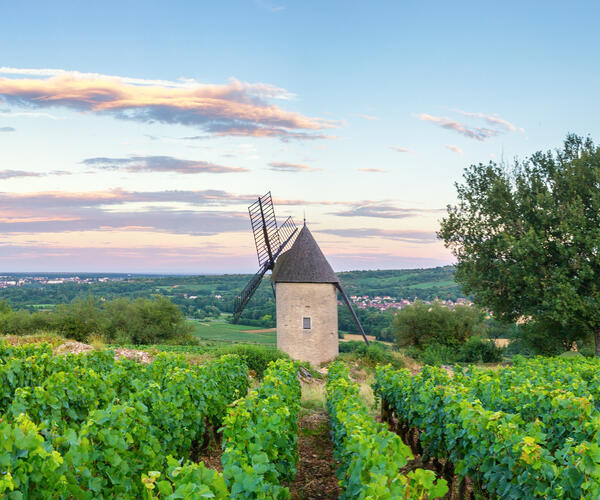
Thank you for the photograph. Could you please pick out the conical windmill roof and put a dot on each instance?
(303, 263)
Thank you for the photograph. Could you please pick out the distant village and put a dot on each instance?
(12, 280)
(386, 302)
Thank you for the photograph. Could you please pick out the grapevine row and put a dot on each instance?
(502, 453)
(89, 434)
(370, 456)
(260, 434)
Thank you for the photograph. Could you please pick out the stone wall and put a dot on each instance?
(317, 301)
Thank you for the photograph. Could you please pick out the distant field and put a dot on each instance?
(221, 331)
(430, 284)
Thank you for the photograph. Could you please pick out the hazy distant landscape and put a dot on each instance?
(208, 297)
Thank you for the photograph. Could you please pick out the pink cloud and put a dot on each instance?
(456, 149)
(374, 170)
(236, 108)
(292, 167)
(136, 164)
(491, 119)
(477, 133)
(401, 150)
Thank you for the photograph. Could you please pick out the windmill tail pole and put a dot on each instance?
(347, 301)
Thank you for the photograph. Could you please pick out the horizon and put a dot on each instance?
(134, 143)
(104, 273)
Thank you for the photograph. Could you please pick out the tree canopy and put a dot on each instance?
(527, 239)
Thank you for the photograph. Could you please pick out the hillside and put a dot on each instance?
(193, 293)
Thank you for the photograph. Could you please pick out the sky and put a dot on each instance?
(134, 135)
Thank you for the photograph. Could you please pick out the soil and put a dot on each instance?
(72, 347)
(211, 455)
(315, 478)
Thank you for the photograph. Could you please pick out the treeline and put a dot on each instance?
(196, 296)
(121, 321)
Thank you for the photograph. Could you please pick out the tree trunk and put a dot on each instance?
(597, 340)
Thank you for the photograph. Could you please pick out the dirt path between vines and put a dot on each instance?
(315, 478)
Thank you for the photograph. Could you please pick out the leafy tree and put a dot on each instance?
(527, 239)
(419, 325)
(79, 319)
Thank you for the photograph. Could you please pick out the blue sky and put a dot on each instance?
(134, 134)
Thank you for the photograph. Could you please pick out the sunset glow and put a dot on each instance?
(135, 143)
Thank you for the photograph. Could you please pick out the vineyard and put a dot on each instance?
(87, 426)
(521, 432)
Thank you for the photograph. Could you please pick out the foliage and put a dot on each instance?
(433, 354)
(477, 350)
(29, 466)
(257, 358)
(373, 354)
(86, 426)
(123, 320)
(187, 482)
(206, 297)
(527, 431)
(421, 324)
(526, 239)
(370, 455)
(374, 321)
(260, 436)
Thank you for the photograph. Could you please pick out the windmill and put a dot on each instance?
(270, 240)
(304, 284)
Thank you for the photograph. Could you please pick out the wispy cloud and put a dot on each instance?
(374, 170)
(11, 174)
(409, 236)
(383, 211)
(292, 167)
(456, 149)
(27, 114)
(236, 108)
(7, 129)
(160, 164)
(477, 133)
(369, 117)
(493, 120)
(496, 124)
(268, 6)
(398, 149)
(201, 212)
(111, 210)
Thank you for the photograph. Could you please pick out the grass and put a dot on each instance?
(313, 396)
(221, 331)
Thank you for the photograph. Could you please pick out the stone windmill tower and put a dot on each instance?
(304, 285)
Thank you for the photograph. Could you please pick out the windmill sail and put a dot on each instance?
(271, 240)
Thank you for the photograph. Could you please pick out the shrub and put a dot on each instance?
(435, 354)
(477, 350)
(256, 357)
(374, 354)
(423, 324)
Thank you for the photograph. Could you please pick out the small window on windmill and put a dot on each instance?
(306, 323)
